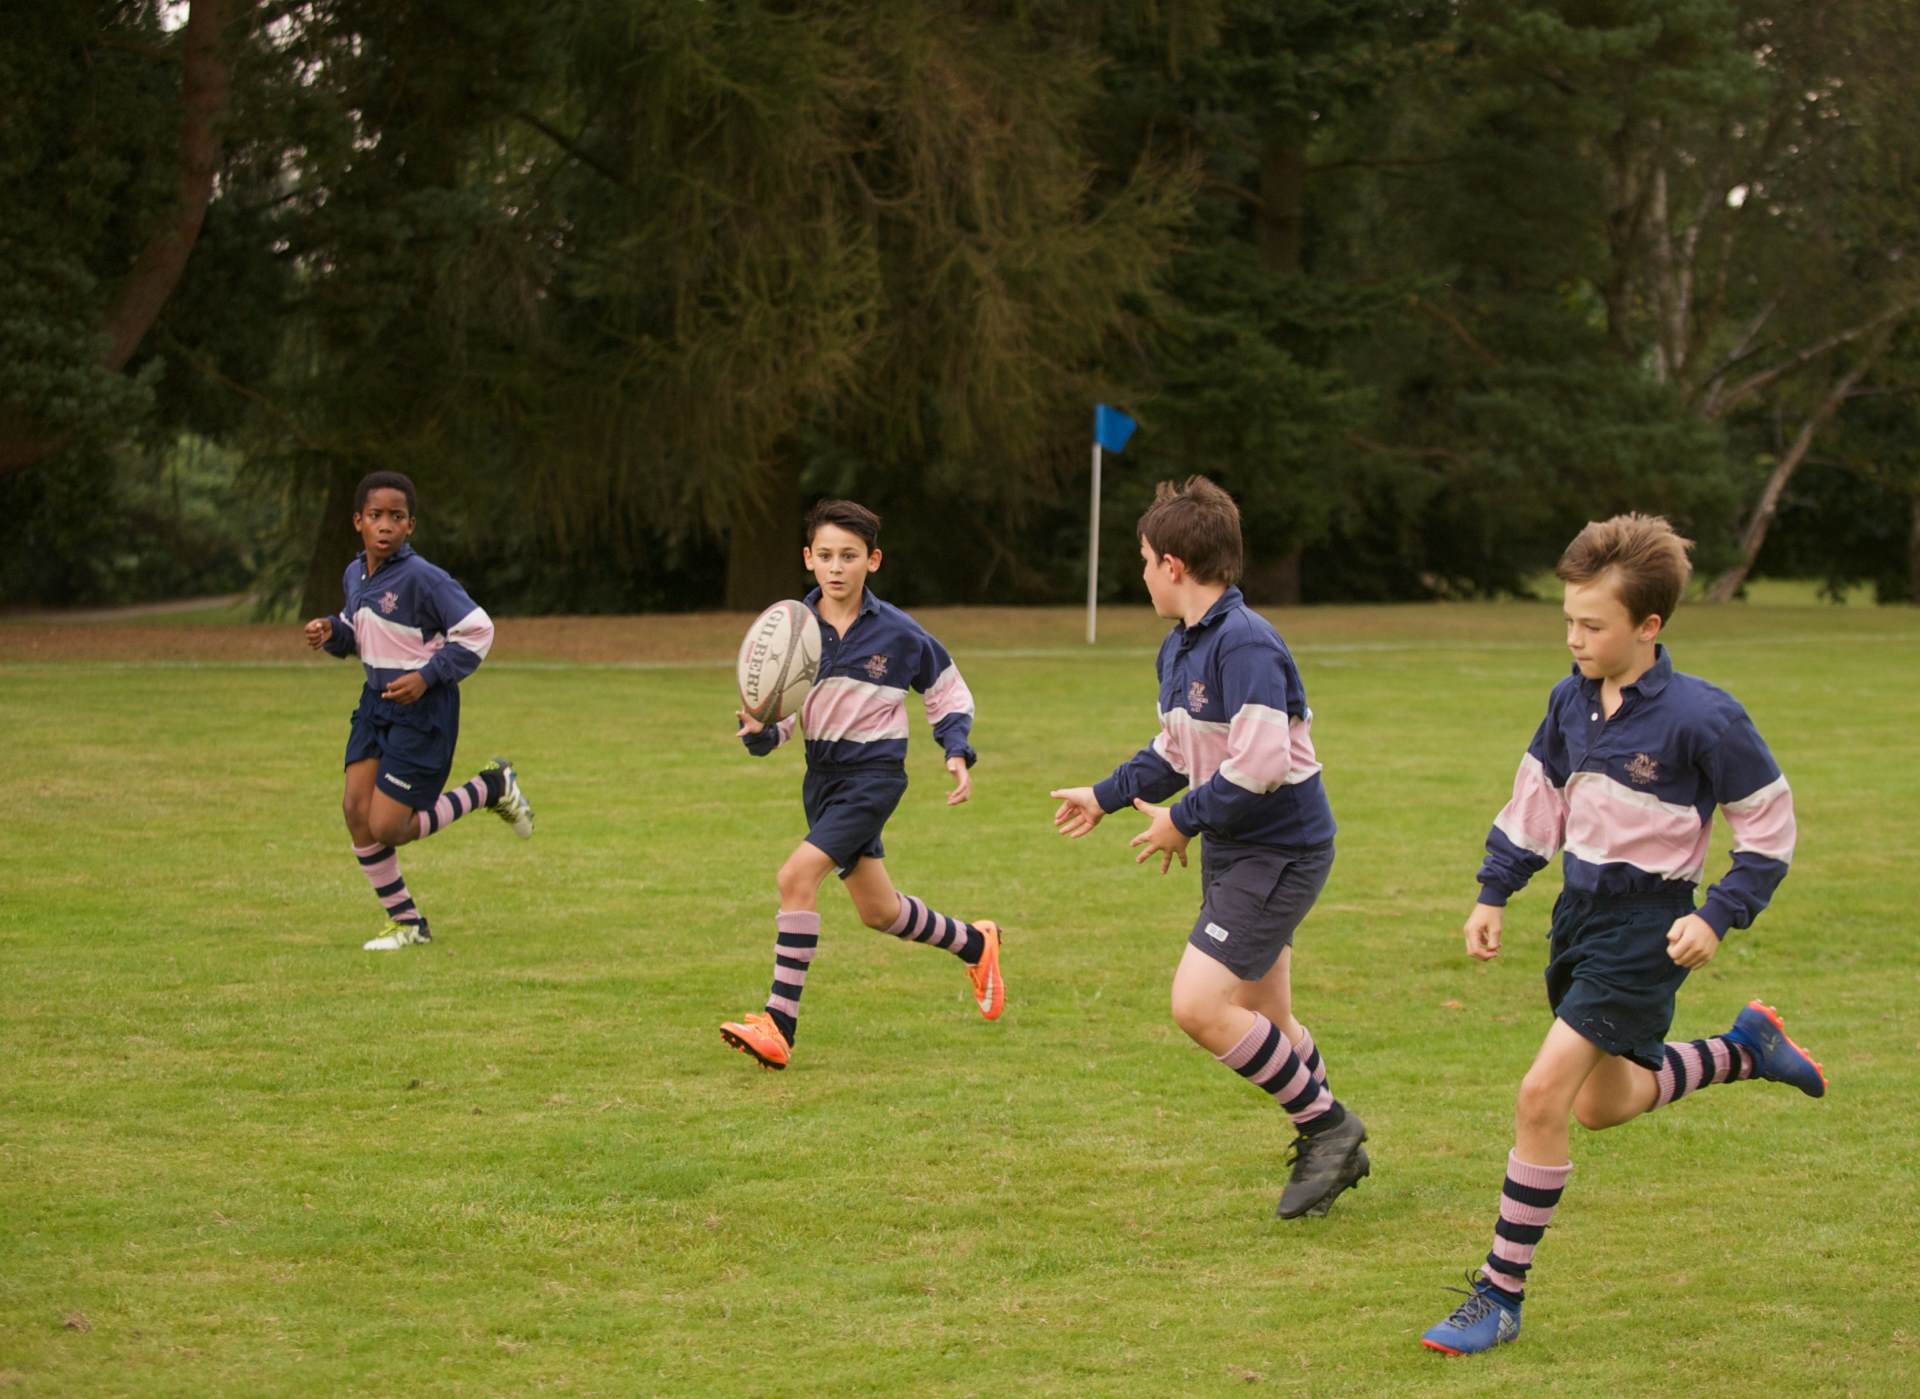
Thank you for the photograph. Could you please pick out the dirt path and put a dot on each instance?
(687, 637)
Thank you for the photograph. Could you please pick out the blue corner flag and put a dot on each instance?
(1111, 427)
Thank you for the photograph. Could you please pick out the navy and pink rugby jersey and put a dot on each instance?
(856, 711)
(1234, 724)
(1630, 799)
(410, 615)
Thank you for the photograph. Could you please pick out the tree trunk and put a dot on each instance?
(1283, 188)
(332, 546)
(204, 88)
(1913, 553)
(763, 542)
(1275, 582)
(1283, 228)
(1755, 534)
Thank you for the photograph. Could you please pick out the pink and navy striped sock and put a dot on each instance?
(1699, 1064)
(915, 922)
(382, 869)
(796, 939)
(1310, 1056)
(1527, 1200)
(469, 796)
(1265, 1058)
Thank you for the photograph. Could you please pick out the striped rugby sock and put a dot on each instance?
(915, 922)
(1310, 1056)
(1698, 1064)
(1265, 1058)
(1527, 1199)
(382, 869)
(469, 796)
(796, 939)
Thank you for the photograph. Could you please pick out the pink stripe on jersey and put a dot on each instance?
(948, 695)
(839, 708)
(1608, 823)
(1535, 816)
(1763, 821)
(473, 631)
(1202, 744)
(1259, 753)
(1305, 762)
(387, 645)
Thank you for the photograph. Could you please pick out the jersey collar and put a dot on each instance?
(1650, 684)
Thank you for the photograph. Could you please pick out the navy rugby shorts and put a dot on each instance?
(1256, 896)
(848, 806)
(1609, 975)
(414, 743)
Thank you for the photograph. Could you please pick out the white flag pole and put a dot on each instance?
(1093, 546)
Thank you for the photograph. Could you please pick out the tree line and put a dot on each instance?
(622, 283)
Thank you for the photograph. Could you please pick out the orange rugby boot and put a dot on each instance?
(988, 989)
(759, 1036)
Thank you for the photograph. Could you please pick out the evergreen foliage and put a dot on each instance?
(623, 283)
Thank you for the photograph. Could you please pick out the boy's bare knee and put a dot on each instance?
(394, 830)
(878, 921)
(1201, 1017)
(1592, 1118)
(1537, 1105)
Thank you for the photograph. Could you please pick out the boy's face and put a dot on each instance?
(1158, 575)
(1603, 637)
(384, 523)
(840, 561)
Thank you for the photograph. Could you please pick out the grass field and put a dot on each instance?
(239, 1156)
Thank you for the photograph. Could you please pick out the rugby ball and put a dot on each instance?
(779, 659)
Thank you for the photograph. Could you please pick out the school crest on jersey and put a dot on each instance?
(876, 667)
(1196, 697)
(1643, 769)
(388, 601)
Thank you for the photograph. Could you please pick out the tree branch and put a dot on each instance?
(572, 147)
(1752, 385)
(1464, 335)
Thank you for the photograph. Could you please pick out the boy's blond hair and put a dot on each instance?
(1647, 555)
(1198, 524)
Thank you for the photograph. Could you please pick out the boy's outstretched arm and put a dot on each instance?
(1161, 837)
(1078, 813)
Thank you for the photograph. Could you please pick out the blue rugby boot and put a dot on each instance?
(1758, 1030)
(1489, 1317)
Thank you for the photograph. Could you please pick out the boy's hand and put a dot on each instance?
(1691, 941)
(1483, 932)
(962, 781)
(406, 689)
(319, 632)
(1078, 812)
(1162, 837)
(748, 724)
